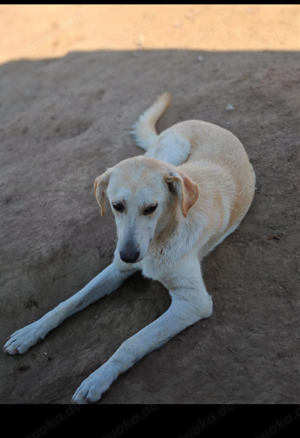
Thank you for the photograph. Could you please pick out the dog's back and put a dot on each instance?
(210, 155)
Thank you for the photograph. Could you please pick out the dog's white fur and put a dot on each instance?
(200, 177)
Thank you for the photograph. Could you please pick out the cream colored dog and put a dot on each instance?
(172, 206)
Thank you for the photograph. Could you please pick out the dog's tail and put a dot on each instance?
(143, 130)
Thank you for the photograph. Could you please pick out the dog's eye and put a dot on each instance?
(118, 207)
(150, 209)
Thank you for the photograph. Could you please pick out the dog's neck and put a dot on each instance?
(167, 225)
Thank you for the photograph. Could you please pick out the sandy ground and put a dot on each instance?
(68, 98)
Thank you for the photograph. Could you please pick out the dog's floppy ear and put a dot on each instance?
(187, 190)
(100, 186)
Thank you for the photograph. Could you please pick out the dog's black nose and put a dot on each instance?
(129, 256)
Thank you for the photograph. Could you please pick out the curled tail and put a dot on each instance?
(143, 130)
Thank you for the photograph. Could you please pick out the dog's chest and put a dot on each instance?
(157, 262)
(153, 266)
(150, 268)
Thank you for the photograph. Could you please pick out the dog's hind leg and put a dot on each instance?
(105, 283)
(143, 130)
(171, 147)
(190, 303)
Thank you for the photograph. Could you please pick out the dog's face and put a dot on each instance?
(141, 192)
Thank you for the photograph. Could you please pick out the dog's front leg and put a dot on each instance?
(106, 282)
(190, 303)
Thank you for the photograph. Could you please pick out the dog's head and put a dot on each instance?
(143, 193)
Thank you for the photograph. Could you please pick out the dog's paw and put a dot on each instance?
(23, 339)
(92, 388)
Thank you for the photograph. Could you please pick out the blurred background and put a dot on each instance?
(54, 30)
(73, 79)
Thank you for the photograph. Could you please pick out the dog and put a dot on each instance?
(172, 206)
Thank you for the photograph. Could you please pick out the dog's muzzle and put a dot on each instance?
(130, 256)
